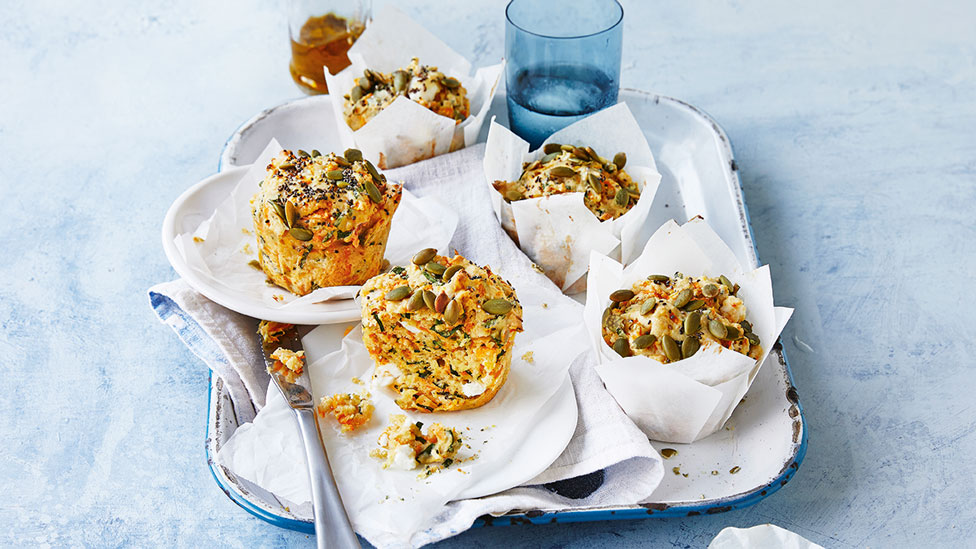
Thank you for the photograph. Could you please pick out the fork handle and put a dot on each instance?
(332, 528)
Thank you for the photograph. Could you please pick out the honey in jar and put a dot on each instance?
(322, 41)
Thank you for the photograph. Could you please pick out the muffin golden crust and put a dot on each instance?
(447, 325)
(609, 192)
(404, 445)
(322, 220)
(671, 318)
(423, 84)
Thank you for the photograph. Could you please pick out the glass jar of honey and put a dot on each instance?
(321, 32)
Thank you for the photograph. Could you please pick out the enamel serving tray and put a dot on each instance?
(764, 441)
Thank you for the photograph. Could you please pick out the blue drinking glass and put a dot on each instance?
(562, 62)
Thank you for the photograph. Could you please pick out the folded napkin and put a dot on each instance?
(607, 462)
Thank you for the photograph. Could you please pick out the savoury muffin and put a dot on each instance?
(322, 220)
(670, 318)
(448, 325)
(404, 446)
(422, 84)
(608, 191)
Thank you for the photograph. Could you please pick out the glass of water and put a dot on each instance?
(562, 62)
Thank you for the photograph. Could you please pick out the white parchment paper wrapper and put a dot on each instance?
(764, 536)
(558, 232)
(690, 399)
(389, 506)
(225, 242)
(405, 132)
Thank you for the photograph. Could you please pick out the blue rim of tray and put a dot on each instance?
(662, 510)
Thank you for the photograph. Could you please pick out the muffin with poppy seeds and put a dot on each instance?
(447, 326)
(322, 220)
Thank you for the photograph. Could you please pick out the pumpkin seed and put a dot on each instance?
(400, 79)
(300, 233)
(668, 453)
(595, 182)
(286, 165)
(620, 160)
(365, 83)
(567, 148)
(726, 282)
(645, 341)
(302, 153)
(342, 184)
(353, 155)
(279, 210)
(372, 170)
(334, 174)
(581, 153)
(622, 197)
(424, 256)
(416, 301)
(355, 94)
(562, 171)
(659, 278)
(648, 306)
(606, 315)
(732, 333)
(634, 193)
(342, 162)
(450, 272)
(592, 153)
(429, 299)
(692, 323)
(717, 329)
(255, 263)
(710, 290)
(398, 293)
(440, 303)
(548, 157)
(620, 296)
(373, 192)
(671, 349)
(735, 289)
(497, 306)
(451, 82)
(291, 214)
(513, 195)
(610, 167)
(435, 268)
(453, 312)
(622, 347)
(735, 470)
(746, 327)
(316, 153)
(693, 305)
(753, 338)
(552, 148)
(682, 299)
(689, 347)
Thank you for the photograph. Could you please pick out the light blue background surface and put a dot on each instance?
(853, 126)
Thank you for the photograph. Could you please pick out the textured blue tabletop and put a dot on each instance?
(854, 126)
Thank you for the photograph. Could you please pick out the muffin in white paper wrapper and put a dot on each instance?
(503, 445)
(689, 399)
(221, 246)
(405, 131)
(558, 232)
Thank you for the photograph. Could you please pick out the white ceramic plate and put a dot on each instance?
(198, 204)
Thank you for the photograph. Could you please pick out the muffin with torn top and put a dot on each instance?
(446, 325)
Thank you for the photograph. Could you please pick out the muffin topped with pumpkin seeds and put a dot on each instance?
(608, 191)
(322, 220)
(447, 325)
(426, 85)
(670, 318)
